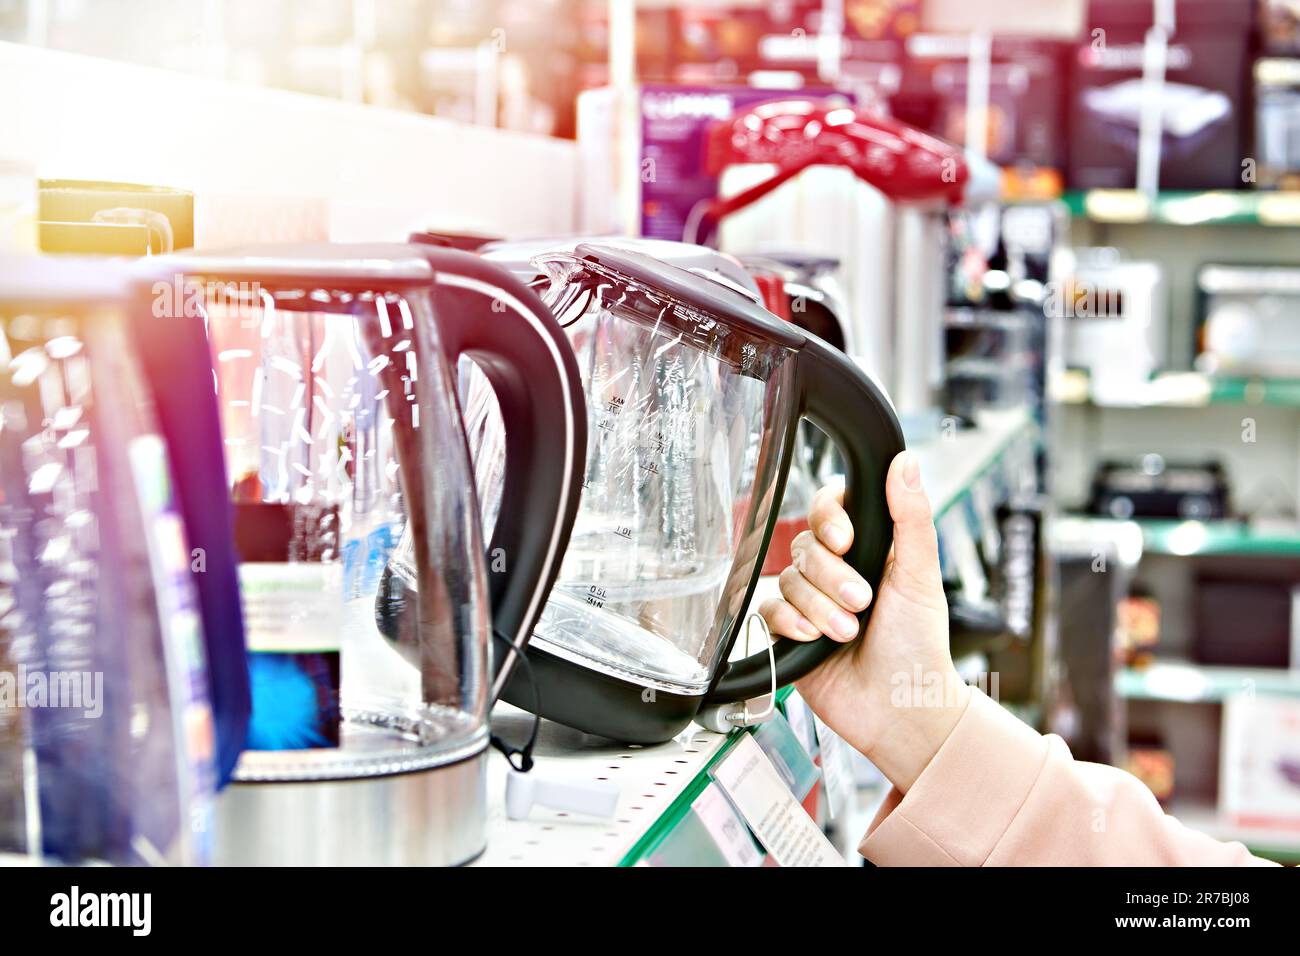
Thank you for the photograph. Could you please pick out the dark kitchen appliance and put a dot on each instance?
(1154, 488)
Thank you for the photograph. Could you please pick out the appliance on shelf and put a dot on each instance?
(641, 151)
(1190, 86)
(1249, 323)
(1225, 598)
(80, 216)
(1151, 760)
(1026, 91)
(1277, 123)
(1279, 26)
(372, 678)
(1259, 762)
(110, 749)
(694, 394)
(1154, 488)
(1115, 323)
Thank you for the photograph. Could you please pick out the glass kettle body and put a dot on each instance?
(342, 437)
(694, 394)
(107, 742)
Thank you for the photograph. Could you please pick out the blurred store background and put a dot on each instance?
(1093, 338)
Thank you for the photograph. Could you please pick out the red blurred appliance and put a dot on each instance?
(903, 162)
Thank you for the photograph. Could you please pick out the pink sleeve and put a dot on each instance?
(1000, 794)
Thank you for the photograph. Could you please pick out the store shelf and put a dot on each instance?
(1217, 538)
(1221, 538)
(389, 173)
(1218, 207)
(1282, 846)
(1183, 390)
(952, 464)
(1203, 684)
(655, 784)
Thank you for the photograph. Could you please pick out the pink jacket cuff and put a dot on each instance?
(999, 793)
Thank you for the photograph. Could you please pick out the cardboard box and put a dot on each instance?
(1259, 783)
(1205, 108)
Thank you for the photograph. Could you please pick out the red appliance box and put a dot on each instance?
(1206, 105)
(1026, 96)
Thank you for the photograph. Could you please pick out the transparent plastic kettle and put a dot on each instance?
(694, 394)
(108, 743)
(342, 436)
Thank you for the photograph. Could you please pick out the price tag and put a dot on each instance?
(726, 827)
(836, 769)
(982, 499)
(756, 790)
(789, 755)
(959, 547)
(800, 716)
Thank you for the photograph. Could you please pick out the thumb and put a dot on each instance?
(915, 568)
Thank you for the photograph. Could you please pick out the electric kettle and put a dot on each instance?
(108, 750)
(372, 678)
(694, 394)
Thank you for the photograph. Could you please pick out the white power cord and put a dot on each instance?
(724, 718)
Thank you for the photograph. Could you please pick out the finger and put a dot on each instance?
(782, 619)
(827, 616)
(828, 519)
(916, 546)
(829, 573)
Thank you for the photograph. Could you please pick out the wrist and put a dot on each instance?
(915, 725)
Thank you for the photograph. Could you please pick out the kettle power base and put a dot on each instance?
(406, 788)
(598, 703)
(427, 818)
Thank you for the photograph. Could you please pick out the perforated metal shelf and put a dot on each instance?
(650, 780)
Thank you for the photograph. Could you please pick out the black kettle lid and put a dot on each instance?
(696, 291)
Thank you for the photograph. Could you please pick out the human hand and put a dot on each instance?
(894, 695)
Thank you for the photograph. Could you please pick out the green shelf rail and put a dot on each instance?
(1174, 208)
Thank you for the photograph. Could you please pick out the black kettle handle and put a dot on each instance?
(484, 312)
(845, 403)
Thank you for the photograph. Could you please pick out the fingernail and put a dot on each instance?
(844, 625)
(833, 536)
(911, 472)
(807, 628)
(856, 594)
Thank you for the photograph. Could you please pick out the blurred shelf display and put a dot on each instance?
(1182, 390)
(954, 461)
(1282, 846)
(1185, 538)
(1191, 683)
(1172, 537)
(1217, 207)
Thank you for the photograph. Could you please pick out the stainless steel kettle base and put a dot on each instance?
(430, 818)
